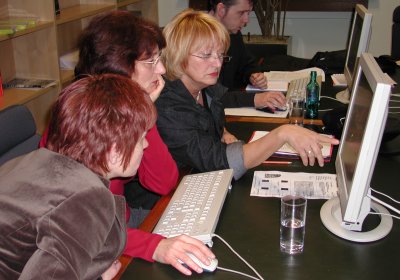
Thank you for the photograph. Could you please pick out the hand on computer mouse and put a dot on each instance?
(206, 268)
(174, 251)
(270, 99)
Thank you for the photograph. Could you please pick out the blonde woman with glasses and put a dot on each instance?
(191, 114)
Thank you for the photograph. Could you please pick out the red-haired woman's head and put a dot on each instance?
(97, 113)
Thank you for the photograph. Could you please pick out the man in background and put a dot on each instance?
(242, 69)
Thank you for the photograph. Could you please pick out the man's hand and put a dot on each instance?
(258, 80)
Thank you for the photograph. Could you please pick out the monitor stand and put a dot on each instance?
(331, 217)
(343, 96)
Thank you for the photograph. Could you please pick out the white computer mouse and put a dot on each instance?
(206, 268)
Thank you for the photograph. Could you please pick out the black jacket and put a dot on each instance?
(192, 132)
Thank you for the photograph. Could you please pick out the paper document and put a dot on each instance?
(287, 76)
(309, 185)
(252, 112)
(272, 86)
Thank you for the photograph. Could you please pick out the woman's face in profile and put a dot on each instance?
(148, 73)
(115, 163)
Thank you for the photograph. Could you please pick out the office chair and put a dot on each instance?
(17, 132)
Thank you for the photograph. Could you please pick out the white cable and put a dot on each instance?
(237, 272)
(328, 97)
(240, 257)
(381, 193)
(324, 110)
(384, 214)
(395, 94)
(384, 204)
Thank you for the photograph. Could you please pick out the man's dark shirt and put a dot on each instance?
(235, 74)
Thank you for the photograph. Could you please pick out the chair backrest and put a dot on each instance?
(17, 132)
(396, 34)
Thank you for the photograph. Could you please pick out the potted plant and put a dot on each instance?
(271, 16)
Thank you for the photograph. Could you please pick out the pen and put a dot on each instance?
(276, 162)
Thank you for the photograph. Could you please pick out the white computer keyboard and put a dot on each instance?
(297, 87)
(195, 206)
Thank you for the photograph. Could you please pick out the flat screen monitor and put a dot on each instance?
(357, 44)
(357, 153)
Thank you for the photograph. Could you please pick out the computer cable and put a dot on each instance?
(384, 203)
(242, 259)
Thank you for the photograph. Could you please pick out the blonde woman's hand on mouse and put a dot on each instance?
(271, 99)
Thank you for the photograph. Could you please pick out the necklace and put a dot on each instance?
(197, 98)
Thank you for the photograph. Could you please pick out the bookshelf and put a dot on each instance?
(34, 52)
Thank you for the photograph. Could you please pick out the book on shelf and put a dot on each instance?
(10, 26)
(288, 152)
(29, 83)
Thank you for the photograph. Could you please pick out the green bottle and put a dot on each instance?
(312, 97)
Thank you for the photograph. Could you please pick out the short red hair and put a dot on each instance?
(96, 112)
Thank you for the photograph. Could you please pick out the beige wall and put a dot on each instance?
(315, 31)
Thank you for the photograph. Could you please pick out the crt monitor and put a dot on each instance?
(356, 157)
(357, 44)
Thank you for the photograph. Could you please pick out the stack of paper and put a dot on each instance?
(279, 80)
(293, 75)
(287, 151)
(272, 86)
(339, 80)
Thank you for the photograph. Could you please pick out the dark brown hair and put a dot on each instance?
(112, 42)
(212, 4)
(95, 113)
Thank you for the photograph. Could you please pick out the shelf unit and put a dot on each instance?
(35, 51)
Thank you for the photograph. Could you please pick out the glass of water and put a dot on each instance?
(296, 112)
(293, 222)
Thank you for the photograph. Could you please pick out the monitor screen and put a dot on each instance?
(358, 150)
(357, 44)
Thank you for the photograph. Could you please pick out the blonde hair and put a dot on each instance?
(188, 31)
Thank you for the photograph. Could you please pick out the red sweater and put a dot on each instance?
(157, 172)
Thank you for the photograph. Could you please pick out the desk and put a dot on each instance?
(251, 226)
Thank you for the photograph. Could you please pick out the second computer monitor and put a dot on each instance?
(357, 44)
